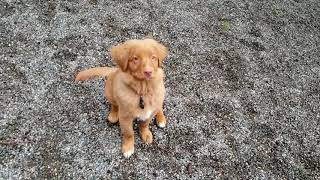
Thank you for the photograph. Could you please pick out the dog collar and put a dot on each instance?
(141, 103)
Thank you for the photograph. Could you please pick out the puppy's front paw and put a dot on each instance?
(146, 136)
(161, 121)
(127, 150)
(162, 124)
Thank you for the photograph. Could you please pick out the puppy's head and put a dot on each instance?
(140, 58)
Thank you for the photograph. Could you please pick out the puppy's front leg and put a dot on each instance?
(161, 119)
(127, 136)
(145, 132)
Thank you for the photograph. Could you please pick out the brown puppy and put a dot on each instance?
(135, 90)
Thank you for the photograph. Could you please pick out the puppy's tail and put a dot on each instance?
(94, 73)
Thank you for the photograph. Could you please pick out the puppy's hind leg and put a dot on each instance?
(161, 119)
(113, 116)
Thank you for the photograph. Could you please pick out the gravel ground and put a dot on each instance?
(242, 83)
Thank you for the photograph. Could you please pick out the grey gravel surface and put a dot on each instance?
(242, 83)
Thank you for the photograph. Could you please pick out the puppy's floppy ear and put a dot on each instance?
(120, 55)
(162, 51)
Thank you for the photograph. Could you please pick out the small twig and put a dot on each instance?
(189, 169)
(9, 143)
(12, 142)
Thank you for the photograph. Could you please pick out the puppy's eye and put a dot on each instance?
(154, 58)
(135, 60)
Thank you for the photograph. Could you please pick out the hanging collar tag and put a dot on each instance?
(141, 103)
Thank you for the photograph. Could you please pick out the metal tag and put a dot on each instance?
(141, 103)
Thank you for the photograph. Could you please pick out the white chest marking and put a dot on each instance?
(145, 116)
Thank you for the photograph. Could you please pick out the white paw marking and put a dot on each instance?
(128, 153)
(146, 116)
(162, 124)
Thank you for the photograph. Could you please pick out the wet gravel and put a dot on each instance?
(242, 83)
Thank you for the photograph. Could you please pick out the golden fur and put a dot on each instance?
(139, 75)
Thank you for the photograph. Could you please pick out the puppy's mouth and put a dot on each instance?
(148, 77)
(142, 76)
